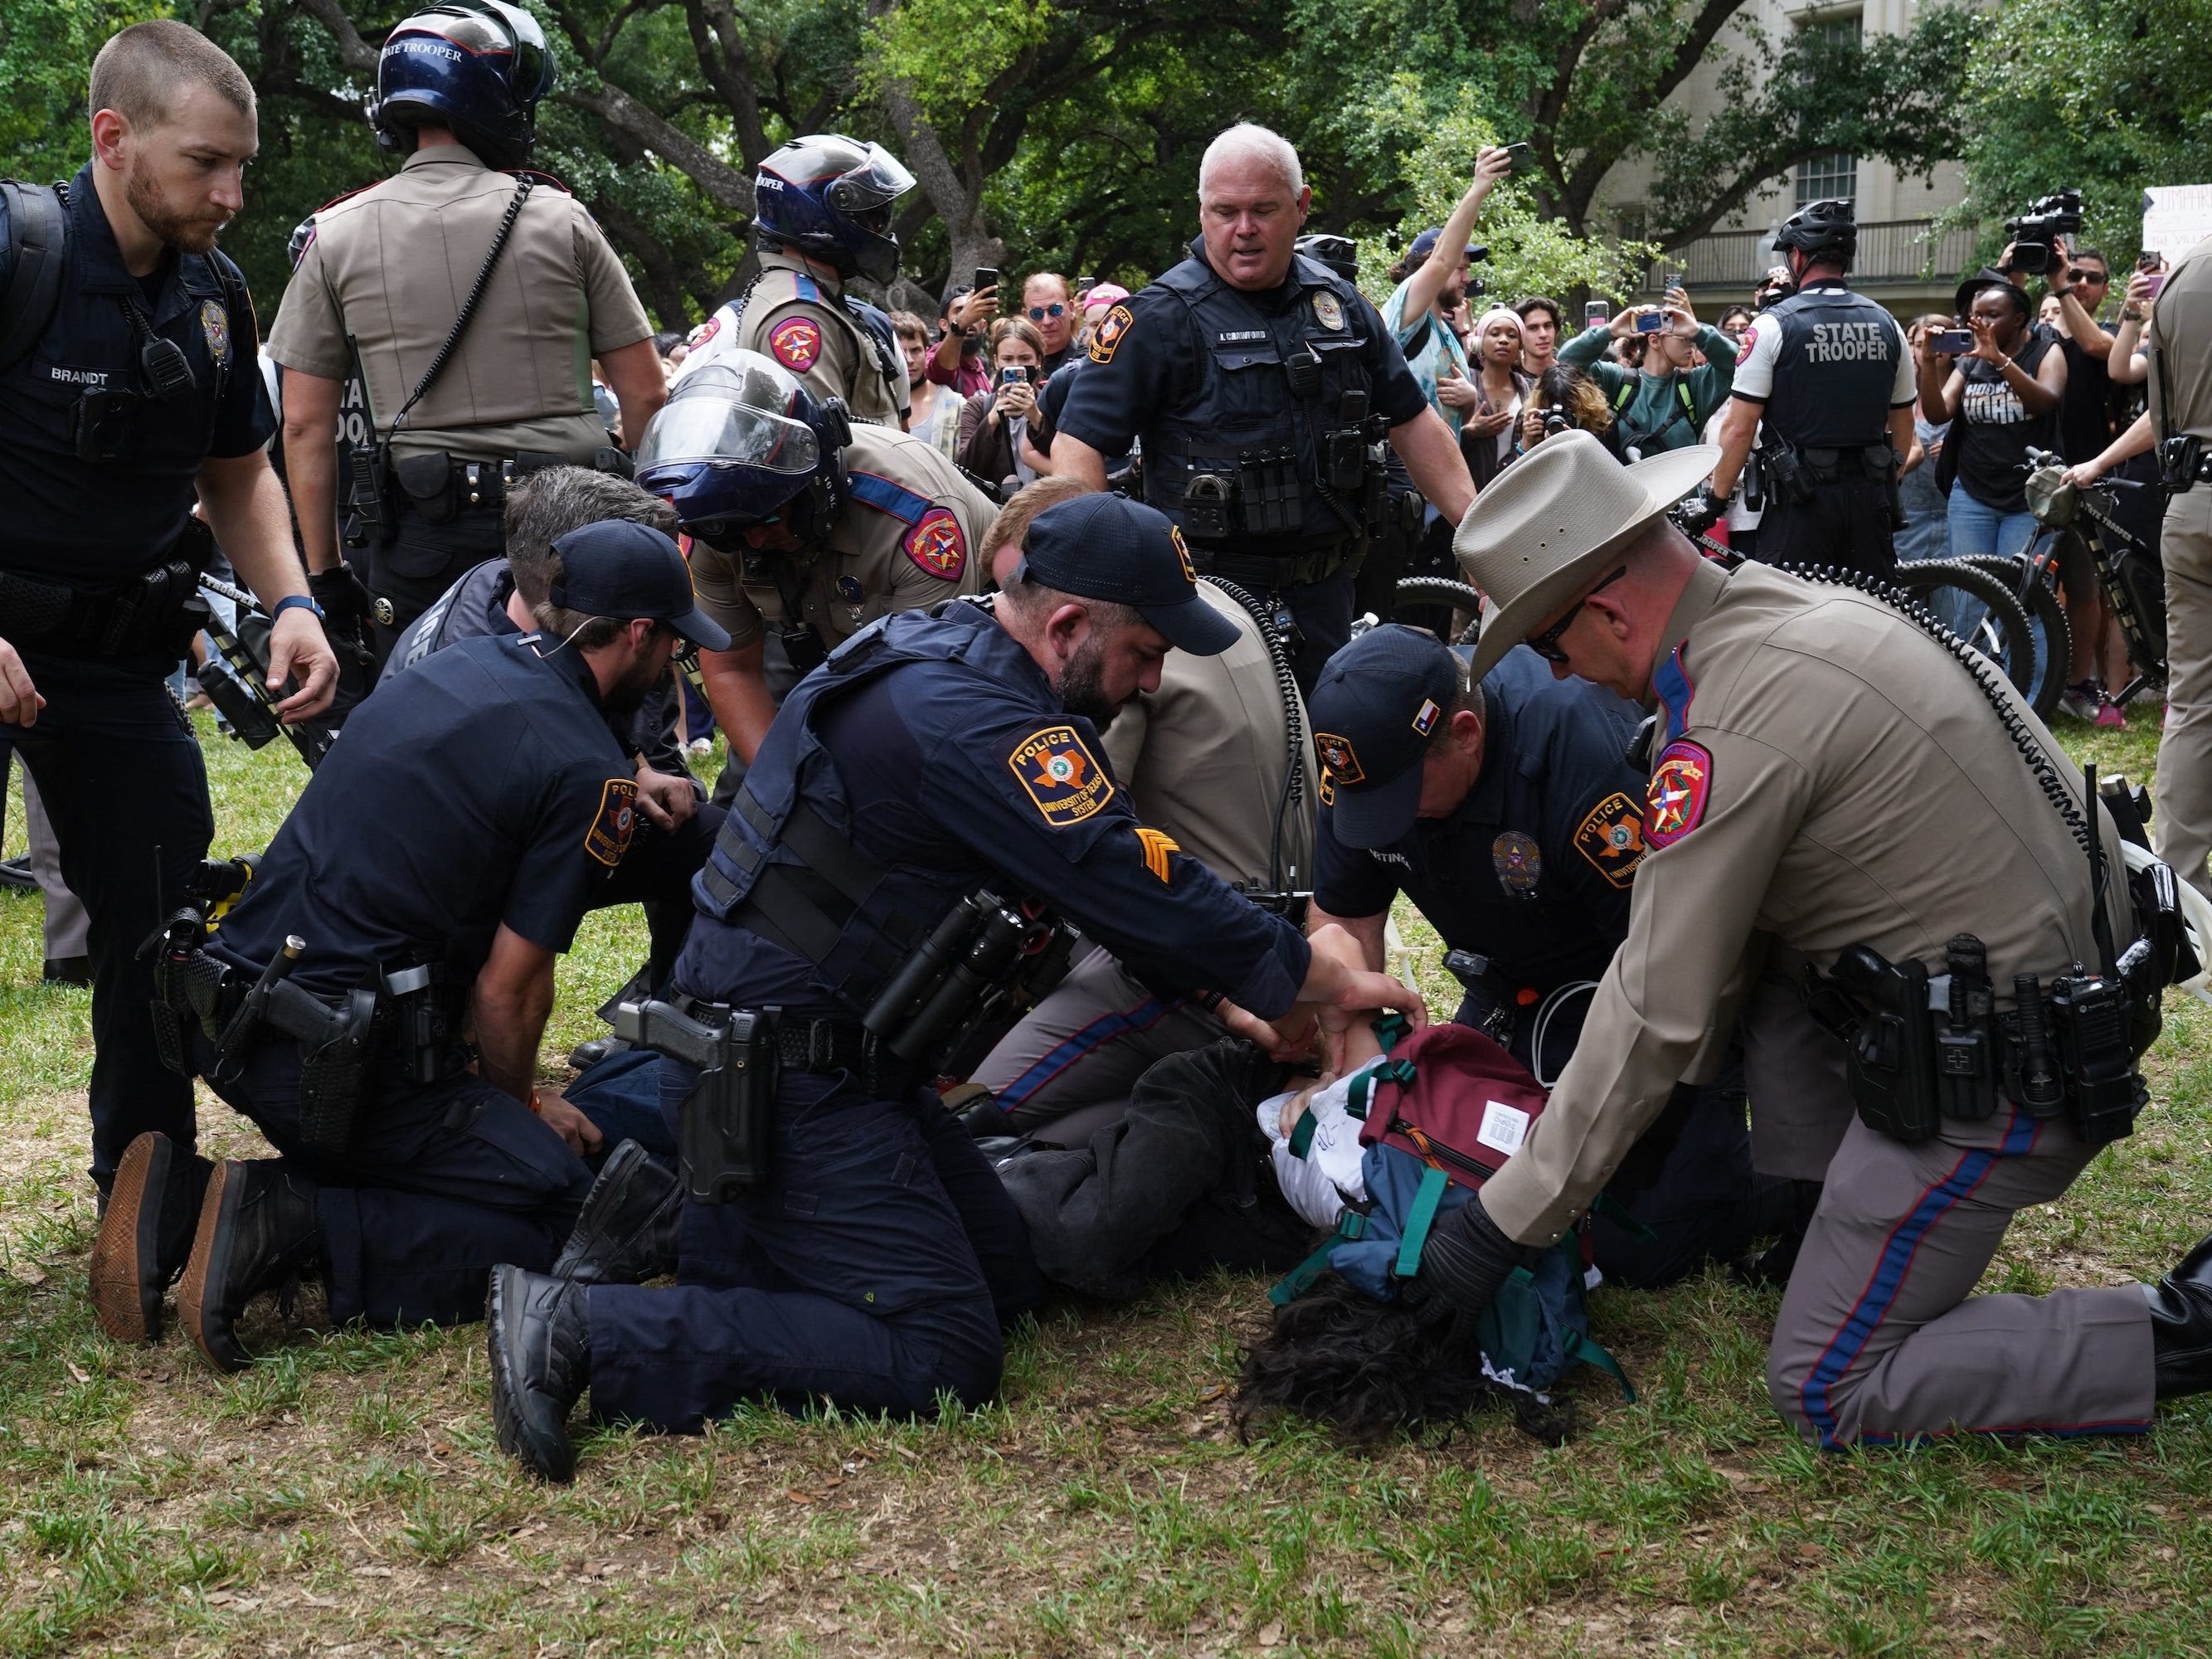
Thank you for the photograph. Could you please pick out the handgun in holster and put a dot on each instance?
(722, 1127)
(337, 1050)
(1891, 1053)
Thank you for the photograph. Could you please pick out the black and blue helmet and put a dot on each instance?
(830, 197)
(478, 67)
(740, 441)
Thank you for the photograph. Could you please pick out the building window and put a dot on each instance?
(1834, 176)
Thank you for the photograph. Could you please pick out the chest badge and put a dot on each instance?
(1328, 310)
(796, 343)
(849, 589)
(1612, 838)
(1064, 780)
(1518, 862)
(1675, 803)
(215, 323)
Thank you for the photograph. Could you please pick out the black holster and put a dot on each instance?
(722, 1127)
(338, 1051)
(1892, 1059)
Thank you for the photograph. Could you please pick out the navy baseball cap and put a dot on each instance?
(1425, 243)
(619, 568)
(1108, 547)
(1373, 710)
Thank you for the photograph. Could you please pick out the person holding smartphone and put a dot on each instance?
(1665, 403)
(995, 426)
(964, 330)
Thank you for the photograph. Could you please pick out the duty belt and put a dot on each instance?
(2183, 463)
(161, 609)
(1263, 573)
(826, 1046)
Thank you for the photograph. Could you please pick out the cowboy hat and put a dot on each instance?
(1544, 531)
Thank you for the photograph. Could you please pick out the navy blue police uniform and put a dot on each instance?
(504, 800)
(879, 1261)
(1254, 412)
(1532, 873)
(1826, 366)
(98, 554)
(657, 871)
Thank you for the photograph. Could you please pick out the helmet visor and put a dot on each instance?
(718, 430)
(877, 182)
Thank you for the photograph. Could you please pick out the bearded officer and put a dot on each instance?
(801, 522)
(821, 216)
(380, 284)
(1825, 767)
(1829, 373)
(128, 386)
(1259, 383)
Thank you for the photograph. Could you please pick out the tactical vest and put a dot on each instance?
(1272, 388)
(792, 815)
(1834, 369)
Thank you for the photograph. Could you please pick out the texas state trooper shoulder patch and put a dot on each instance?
(1612, 838)
(1063, 778)
(1675, 803)
(608, 839)
(938, 544)
(796, 343)
(1111, 327)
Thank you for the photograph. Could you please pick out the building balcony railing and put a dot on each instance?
(1891, 251)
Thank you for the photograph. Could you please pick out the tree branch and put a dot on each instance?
(721, 182)
(356, 53)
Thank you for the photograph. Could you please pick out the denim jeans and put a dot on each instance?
(1978, 529)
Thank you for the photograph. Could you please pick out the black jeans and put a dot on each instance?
(119, 771)
(409, 570)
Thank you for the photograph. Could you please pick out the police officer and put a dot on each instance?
(502, 597)
(402, 1173)
(1219, 757)
(1829, 373)
(1257, 380)
(127, 387)
(936, 754)
(1825, 770)
(801, 522)
(381, 283)
(821, 216)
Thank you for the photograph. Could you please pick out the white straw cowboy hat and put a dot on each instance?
(1545, 531)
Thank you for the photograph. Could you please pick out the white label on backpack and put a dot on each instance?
(1504, 1127)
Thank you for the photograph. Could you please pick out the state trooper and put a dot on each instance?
(1261, 384)
(873, 1257)
(802, 521)
(1219, 757)
(128, 386)
(462, 398)
(1830, 374)
(822, 208)
(1825, 767)
(331, 1003)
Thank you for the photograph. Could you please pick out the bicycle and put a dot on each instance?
(2128, 568)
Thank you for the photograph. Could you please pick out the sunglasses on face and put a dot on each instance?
(1547, 644)
(2077, 274)
(1038, 313)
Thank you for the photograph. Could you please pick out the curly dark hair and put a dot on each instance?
(1369, 1369)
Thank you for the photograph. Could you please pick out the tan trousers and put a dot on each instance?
(2183, 811)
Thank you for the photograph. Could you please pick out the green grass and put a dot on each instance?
(345, 1495)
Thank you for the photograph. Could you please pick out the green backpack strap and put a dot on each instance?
(1361, 1094)
(1582, 1350)
(1420, 1215)
(1351, 1226)
(1302, 1132)
(1391, 1026)
(1614, 1210)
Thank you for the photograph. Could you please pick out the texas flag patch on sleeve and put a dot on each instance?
(1675, 803)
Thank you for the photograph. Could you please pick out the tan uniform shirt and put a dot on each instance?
(1205, 757)
(1836, 779)
(2180, 334)
(795, 316)
(384, 277)
(906, 540)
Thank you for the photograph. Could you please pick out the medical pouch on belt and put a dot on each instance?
(1446, 1110)
(1248, 466)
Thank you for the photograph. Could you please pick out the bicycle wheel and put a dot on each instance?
(1435, 594)
(2046, 623)
(1978, 608)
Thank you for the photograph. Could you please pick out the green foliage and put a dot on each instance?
(46, 48)
(2107, 96)
(952, 53)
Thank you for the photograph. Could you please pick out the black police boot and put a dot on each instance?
(2181, 1324)
(538, 1336)
(627, 1232)
(145, 1235)
(258, 1232)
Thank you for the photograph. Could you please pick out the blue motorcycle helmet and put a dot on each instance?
(830, 197)
(478, 67)
(741, 442)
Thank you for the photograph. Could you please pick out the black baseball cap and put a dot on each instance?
(1373, 710)
(619, 568)
(1108, 547)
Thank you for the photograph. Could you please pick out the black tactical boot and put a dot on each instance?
(2181, 1324)
(258, 1232)
(627, 1232)
(538, 1335)
(145, 1235)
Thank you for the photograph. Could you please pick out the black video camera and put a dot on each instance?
(2056, 215)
